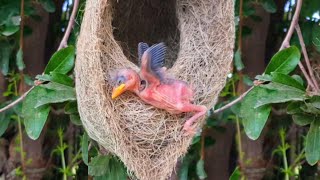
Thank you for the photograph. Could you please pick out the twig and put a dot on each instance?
(286, 41)
(62, 44)
(67, 33)
(16, 101)
(295, 19)
(233, 102)
(303, 70)
(306, 58)
(285, 44)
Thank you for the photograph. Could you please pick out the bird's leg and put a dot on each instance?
(200, 111)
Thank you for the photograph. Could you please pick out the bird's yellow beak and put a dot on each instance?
(118, 91)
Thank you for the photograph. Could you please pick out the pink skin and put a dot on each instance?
(174, 96)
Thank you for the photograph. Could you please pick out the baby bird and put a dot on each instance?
(154, 87)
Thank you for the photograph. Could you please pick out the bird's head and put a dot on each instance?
(124, 80)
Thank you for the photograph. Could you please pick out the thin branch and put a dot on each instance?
(306, 58)
(233, 102)
(63, 43)
(295, 19)
(286, 41)
(304, 72)
(16, 101)
(67, 33)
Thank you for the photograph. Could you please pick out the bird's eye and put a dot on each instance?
(120, 80)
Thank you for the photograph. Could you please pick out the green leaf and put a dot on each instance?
(303, 119)
(10, 30)
(71, 107)
(44, 77)
(294, 107)
(316, 36)
(48, 5)
(15, 20)
(184, 169)
(264, 77)
(254, 119)
(269, 6)
(286, 80)
(28, 80)
(75, 119)
(61, 61)
(298, 78)
(313, 143)
(4, 122)
(279, 93)
(247, 80)
(237, 60)
(57, 87)
(200, 169)
(309, 108)
(116, 171)
(236, 174)
(195, 140)
(248, 10)
(34, 118)
(19, 60)
(61, 78)
(5, 52)
(315, 101)
(279, 87)
(99, 165)
(56, 77)
(284, 61)
(56, 97)
(84, 148)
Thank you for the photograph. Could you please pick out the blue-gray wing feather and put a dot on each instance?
(142, 47)
(157, 54)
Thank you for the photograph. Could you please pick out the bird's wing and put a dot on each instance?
(142, 47)
(152, 62)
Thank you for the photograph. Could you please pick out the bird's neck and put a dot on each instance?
(136, 86)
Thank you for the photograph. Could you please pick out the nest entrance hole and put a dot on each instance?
(150, 21)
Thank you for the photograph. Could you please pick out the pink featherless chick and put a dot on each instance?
(154, 87)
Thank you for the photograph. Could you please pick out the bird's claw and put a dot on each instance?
(189, 130)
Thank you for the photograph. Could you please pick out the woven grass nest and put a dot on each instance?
(200, 39)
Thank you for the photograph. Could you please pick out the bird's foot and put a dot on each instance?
(189, 130)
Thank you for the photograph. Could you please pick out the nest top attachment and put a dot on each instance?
(148, 140)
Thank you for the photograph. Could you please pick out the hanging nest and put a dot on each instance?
(200, 37)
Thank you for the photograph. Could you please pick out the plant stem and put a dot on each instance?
(295, 19)
(233, 102)
(285, 162)
(62, 157)
(306, 58)
(239, 143)
(284, 154)
(67, 33)
(240, 152)
(21, 145)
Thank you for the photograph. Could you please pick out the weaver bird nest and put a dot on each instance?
(200, 37)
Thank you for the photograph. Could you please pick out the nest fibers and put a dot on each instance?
(148, 140)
